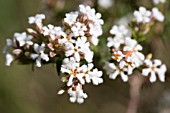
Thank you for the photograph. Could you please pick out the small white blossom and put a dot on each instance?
(86, 69)
(132, 49)
(39, 54)
(95, 30)
(37, 19)
(74, 71)
(154, 68)
(158, 1)
(69, 63)
(23, 39)
(71, 18)
(94, 40)
(81, 47)
(130, 42)
(78, 29)
(117, 55)
(115, 42)
(65, 40)
(95, 76)
(77, 94)
(142, 15)
(91, 14)
(61, 92)
(127, 65)
(157, 14)
(113, 71)
(105, 3)
(53, 32)
(94, 24)
(119, 31)
(48, 30)
(9, 59)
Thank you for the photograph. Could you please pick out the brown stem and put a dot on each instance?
(135, 86)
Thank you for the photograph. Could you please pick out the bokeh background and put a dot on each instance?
(25, 91)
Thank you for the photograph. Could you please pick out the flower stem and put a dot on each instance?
(135, 86)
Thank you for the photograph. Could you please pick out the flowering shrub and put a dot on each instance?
(69, 47)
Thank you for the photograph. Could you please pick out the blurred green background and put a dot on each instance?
(25, 91)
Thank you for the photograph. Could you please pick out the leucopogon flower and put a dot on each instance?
(89, 25)
(127, 57)
(154, 68)
(142, 15)
(68, 47)
(146, 16)
(39, 54)
(126, 52)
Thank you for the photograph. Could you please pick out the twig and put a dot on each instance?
(135, 86)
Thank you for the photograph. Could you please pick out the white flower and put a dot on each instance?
(119, 31)
(53, 32)
(66, 39)
(71, 18)
(77, 94)
(94, 22)
(59, 32)
(91, 14)
(95, 31)
(94, 40)
(95, 76)
(132, 49)
(23, 39)
(81, 47)
(86, 69)
(114, 71)
(130, 42)
(117, 55)
(78, 29)
(127, 65)
(9, 59)
(157, 14)
(158, 1)
(154, 68)
(85, 48)
(142, 15)
(37, 19)
(68, 63)
(61, 92)
(74, 71)
(105, 3)
(39, 54)
(48, 30)
(115, 42)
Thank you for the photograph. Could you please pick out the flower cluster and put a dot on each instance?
(126, 55)
(126, 52)
(69, 45)
(146, 16)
